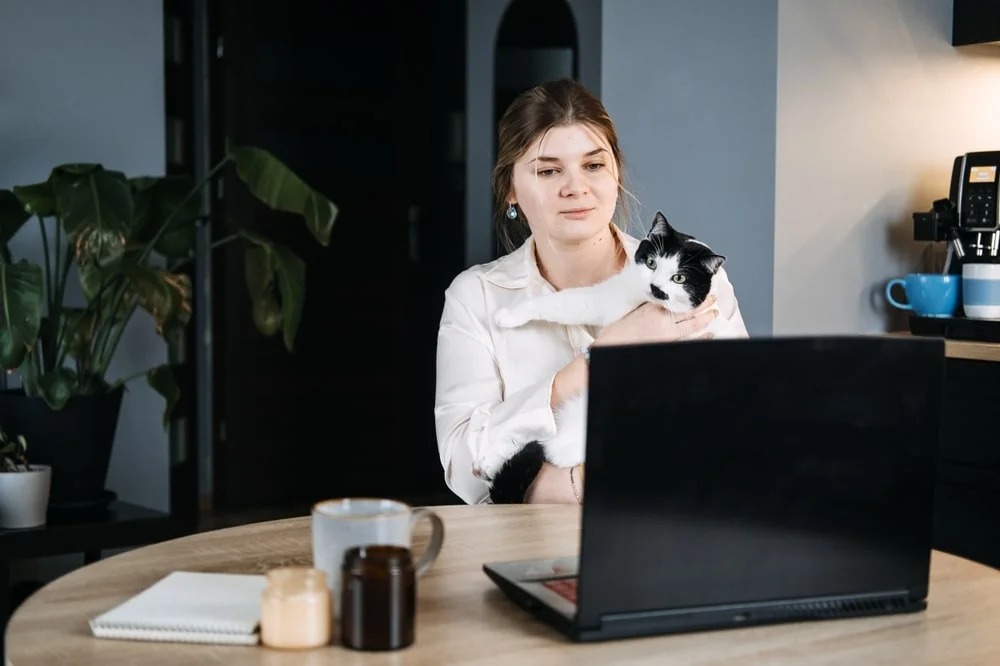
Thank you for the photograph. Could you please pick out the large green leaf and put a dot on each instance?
(21, 299)
(77, 330)
(164, 295)
(96, 209)
(162, 380)
(57, 387)
(38, 198)
(275, 276)
(98, 281)
(160, 199)
(13, 215)
(277, 186)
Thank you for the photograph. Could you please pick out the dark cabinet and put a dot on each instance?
(967, 494)
(975, 22)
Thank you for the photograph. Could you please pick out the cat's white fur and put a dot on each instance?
(597, 305)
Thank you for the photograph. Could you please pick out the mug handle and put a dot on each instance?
(888, 294)
(430, 554)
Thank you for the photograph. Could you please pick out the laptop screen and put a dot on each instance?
(742, 471)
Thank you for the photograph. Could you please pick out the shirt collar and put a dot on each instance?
(519, 269)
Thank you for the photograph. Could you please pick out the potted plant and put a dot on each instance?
(24, 488)
(127, 240)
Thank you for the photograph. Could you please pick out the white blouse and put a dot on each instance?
(494, 384)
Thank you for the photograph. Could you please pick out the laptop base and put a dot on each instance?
(524, 583)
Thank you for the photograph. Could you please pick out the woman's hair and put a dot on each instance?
(533, 113)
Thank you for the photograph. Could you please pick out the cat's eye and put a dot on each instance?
(651, 262)
(677, 278)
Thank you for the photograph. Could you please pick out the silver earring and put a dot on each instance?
(511, 212)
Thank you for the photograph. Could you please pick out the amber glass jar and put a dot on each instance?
(296, 609)
(378, 598)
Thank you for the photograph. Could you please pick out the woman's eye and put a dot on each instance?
(650, 262)
(595, 166)
(546, 172)
(677, 278)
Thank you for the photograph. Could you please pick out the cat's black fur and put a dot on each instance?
(515, 477)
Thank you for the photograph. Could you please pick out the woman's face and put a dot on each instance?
(566, 184)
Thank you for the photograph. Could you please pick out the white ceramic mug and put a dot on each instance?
(341, 524)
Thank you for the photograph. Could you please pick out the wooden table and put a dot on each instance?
(463, 618)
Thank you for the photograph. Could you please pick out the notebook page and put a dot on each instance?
(211, 603)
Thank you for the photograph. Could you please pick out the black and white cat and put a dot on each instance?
(669, 268)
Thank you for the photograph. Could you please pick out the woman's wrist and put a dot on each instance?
(552, 485)
(576, 482)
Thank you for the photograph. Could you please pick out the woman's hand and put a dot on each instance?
(650, 322)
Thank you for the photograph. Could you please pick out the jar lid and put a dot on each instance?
(290, 580)
(374, 558)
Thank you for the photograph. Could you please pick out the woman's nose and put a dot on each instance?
(575, 184)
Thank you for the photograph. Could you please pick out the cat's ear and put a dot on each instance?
(712, 262)
(660, 226)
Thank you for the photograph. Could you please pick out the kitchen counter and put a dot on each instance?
(963, 349)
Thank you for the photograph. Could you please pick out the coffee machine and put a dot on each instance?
(968, 221)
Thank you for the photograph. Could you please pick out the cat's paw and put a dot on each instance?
(512, 317)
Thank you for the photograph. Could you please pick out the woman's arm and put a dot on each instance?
(569, 381)
(471, 410)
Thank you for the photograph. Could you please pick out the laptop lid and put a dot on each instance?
(760, 470)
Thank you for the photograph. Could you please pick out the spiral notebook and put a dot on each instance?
(189, 607)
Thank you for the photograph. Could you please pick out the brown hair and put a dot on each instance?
(533, 113)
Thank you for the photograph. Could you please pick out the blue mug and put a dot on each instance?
(928, 294)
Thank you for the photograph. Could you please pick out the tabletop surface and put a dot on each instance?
(463, 619)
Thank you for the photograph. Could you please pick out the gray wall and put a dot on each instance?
(691, 88)
(83, 82)
(883, 82)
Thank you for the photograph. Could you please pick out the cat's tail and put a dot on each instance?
(516, 475)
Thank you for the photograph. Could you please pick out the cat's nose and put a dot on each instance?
(658, 293)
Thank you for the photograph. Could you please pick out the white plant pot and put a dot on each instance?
(24, 497)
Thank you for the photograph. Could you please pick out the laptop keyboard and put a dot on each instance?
(564, 587)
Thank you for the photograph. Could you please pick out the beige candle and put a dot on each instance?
(295, 609)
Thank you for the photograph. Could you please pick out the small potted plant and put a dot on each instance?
(24, 488)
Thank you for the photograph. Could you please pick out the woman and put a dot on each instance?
(559, 171)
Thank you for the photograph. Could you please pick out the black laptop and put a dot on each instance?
(743, 482)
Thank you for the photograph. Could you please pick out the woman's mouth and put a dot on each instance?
(576, 213)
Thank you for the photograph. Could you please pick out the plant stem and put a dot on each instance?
(67, 263)
(48, 266)
(58, 261)
(107, 350)
(129, 378)
(48, 341)
(95, 302)
(170, 218)
(215, 244)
